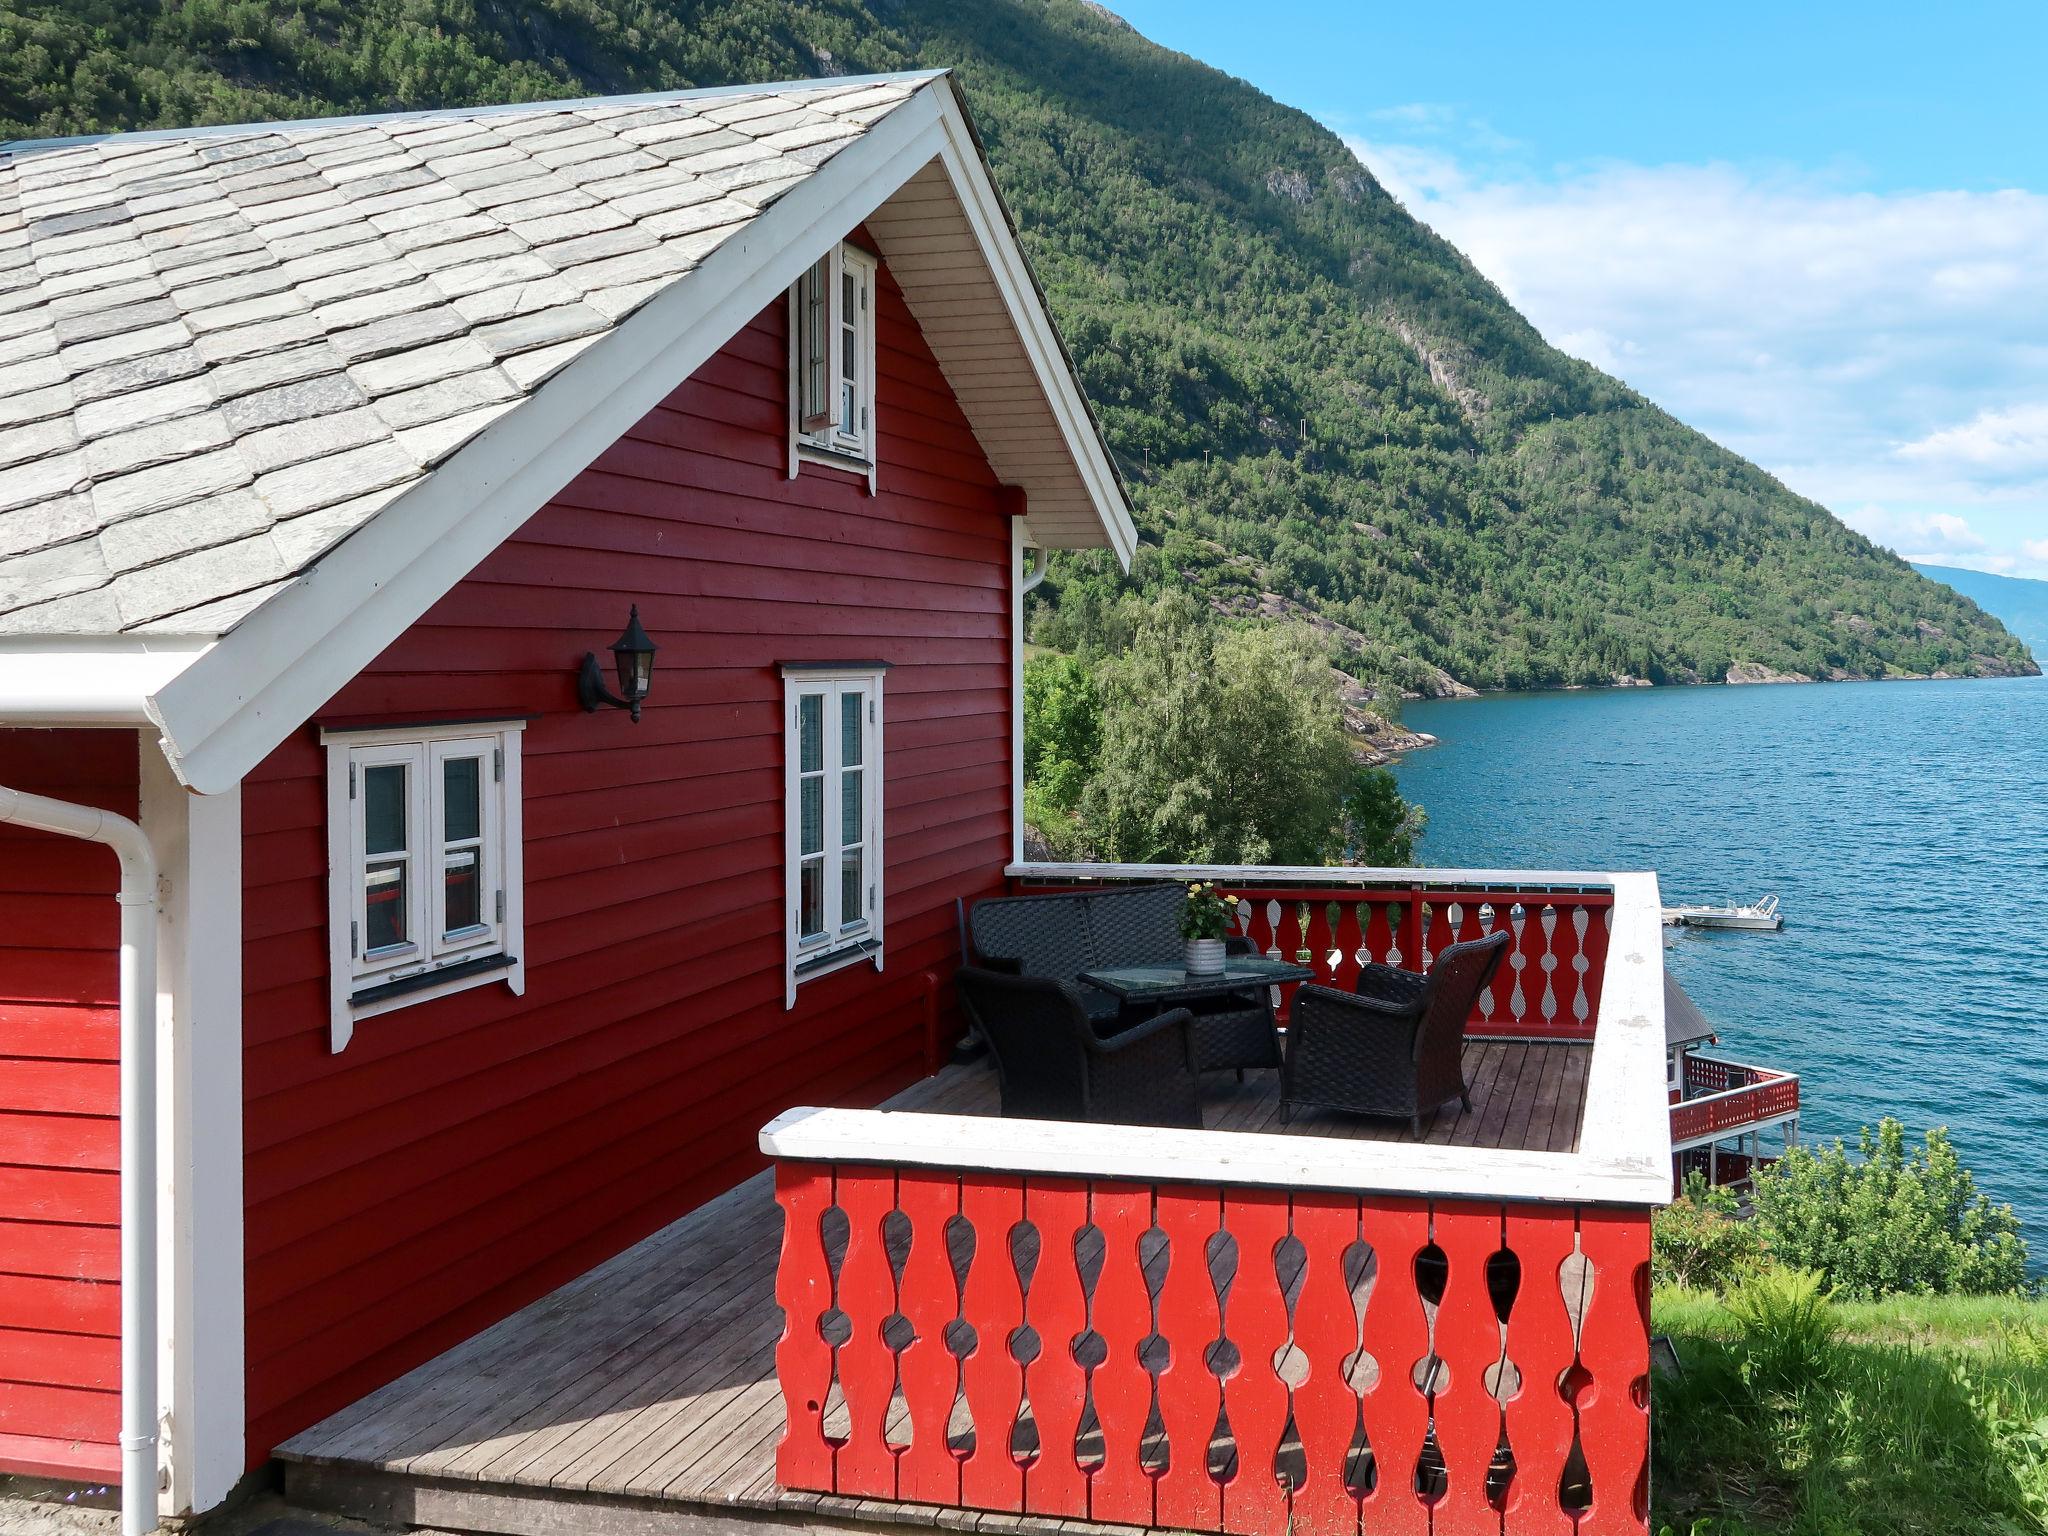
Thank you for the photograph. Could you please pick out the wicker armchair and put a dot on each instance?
(1052, 1065)
(1397, 1046)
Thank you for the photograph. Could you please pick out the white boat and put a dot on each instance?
(1762, 913)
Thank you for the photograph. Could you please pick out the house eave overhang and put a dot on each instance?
(223, 713)
(87, 682)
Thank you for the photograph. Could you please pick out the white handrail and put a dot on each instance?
(1560, 880)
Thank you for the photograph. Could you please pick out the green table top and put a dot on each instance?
(1167, 983)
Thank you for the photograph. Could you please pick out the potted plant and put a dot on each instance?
(1204, 920)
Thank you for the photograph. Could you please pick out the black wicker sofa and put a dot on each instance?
(1062, 934)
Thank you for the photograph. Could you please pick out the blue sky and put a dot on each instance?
(1817, 232)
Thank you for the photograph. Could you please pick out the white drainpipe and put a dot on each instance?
(1037, 573)
(138, 900)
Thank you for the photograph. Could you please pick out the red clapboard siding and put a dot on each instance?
(465, 1155)
(60, 1198)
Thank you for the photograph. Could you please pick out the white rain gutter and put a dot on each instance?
(1037, 572)
(138, 899)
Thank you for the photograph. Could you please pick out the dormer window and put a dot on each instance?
(832, 362)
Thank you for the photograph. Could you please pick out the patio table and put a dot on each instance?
(1169, 986)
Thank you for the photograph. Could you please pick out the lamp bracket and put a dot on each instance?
(591, 691)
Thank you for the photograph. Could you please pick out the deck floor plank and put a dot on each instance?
(653, 1375)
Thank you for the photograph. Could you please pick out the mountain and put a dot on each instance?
(1320, 406)
(2017, 602)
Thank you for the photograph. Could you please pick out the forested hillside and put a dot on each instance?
(1318, 404)
(2020, 603)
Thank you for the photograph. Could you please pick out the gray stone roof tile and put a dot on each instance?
(169, 485)
(38, 440)
(142, 541)
(158, 590)
(45, 524)
(446, 397)
(134, 375)
(408, 368)
(162, 442)
(223, 352)
(264, 336)
(295, 442)
(308, 487)
(540, 328)
(530, 369)
(288, 404)
(118, 410)
(437, 439)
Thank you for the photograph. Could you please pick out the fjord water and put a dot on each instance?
(1905, 827)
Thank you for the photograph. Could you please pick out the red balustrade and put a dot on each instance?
(1546, 988)
(1225, 1359)
(1760, 1096)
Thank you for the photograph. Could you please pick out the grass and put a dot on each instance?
(1917, 1414)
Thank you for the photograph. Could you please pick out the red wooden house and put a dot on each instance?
(483, 945)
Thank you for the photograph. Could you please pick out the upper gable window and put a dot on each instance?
(832, 361)
(423, 851)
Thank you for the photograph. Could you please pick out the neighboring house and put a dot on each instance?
(404, 1119)
(332, 448)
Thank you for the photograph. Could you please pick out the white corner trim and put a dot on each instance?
(1623, 1158)
(198, 844)
(222, 715)
(1017, 590)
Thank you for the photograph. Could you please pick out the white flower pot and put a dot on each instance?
(1205, 957)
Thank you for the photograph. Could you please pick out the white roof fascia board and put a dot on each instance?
(983, 208)
(90, 683)
(223, 715)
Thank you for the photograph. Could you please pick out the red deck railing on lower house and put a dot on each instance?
(1730, 1097)
(1211, 1358)
(1548, 984)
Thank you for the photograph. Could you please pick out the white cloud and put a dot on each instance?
(1917, 535)
(2015, 438)
(1875, 351)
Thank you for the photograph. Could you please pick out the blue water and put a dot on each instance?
(1905, 827)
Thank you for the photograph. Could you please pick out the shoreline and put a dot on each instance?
(1463, 691)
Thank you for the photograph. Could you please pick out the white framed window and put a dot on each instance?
(832, 812)
(832, 362)
(423, 865)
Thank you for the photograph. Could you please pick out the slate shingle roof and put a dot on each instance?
(221, 352)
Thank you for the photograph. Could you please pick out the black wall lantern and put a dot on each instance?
(633, 653)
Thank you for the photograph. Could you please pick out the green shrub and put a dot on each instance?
(1698, 1243)
(1887, 1220)
(1787, 1329)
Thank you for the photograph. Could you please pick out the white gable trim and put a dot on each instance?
(991, 225)
(223, 714)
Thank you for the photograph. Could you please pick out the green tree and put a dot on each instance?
(1062, 728)
(1218, 746)
(1888, 1220)
(1379, 827)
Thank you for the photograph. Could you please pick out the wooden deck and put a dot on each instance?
(641, 1396)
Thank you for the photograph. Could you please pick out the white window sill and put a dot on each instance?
(825, 962)
(835, 458)
(372, 997)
